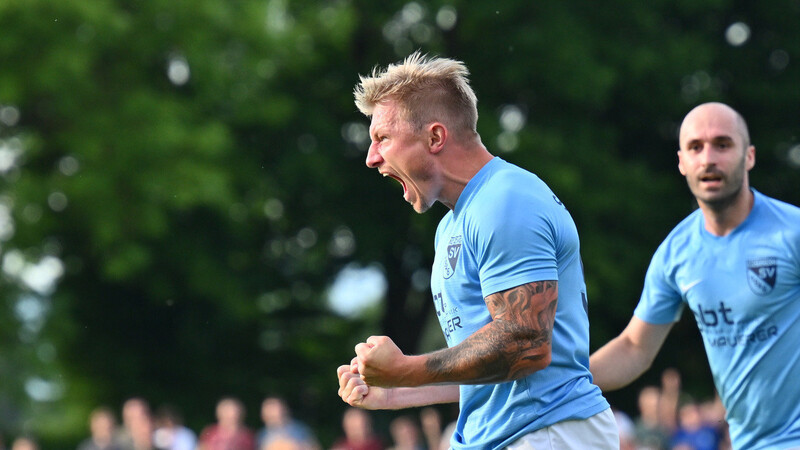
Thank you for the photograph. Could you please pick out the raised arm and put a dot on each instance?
(627, 356)
(516, 343)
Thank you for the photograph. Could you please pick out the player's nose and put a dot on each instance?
(374, 158)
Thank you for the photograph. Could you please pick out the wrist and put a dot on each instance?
(415, 371)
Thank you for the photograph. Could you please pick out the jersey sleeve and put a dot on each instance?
(515, 244)
(661, 301)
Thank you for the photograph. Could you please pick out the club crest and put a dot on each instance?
(761, 275)
(451, 259)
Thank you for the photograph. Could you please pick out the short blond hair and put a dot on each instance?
(425, 89)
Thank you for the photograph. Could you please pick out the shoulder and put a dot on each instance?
(685, 231)
(678, 244)
(778, 221)
(519, 214)
(775, 219)
(780, 209)
(511, 179)
(512, 192)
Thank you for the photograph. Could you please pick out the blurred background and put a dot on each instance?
(185, 213)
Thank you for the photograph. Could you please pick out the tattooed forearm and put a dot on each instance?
(516, 343)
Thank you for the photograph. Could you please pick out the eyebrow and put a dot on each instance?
(723, 137)
(715, 139)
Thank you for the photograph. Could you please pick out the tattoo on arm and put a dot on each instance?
(510, 346)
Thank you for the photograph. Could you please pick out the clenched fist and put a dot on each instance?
(381, 363)
(355, 392)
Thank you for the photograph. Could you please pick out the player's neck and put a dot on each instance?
(462, 167)
(722, 220)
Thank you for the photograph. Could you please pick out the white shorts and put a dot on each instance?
(598, 432)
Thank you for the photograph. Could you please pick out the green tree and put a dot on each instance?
(180, 183)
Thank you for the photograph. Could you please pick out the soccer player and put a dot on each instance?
(735, 262)
(507, 283)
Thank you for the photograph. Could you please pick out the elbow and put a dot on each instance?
(541, 363)
(532, 363)
(544, 360)
(646, 364)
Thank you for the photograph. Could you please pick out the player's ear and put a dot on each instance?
(750, 157)
(680, 163)
(437, 136)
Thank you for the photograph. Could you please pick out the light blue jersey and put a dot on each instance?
(744, 291)
(509, 229)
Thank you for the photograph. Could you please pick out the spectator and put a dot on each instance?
(170, 432)
(102, 426)
(358, 433)
(135, 422)
(692, 433)
(141, 429)
(280, 425)
(650, 433)
(668, 400)
(24, 443)
(713, 412)
(229, 432)
(283, 443)
(405, 434)
(431, 421)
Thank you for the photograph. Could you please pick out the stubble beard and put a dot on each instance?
(426, 177)
(726, 199)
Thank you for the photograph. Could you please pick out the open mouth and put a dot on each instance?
(403, 183)
(711, 178)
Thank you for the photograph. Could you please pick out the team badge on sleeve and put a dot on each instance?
(761, 274)
(453, 252)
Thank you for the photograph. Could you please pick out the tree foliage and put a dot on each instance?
(181, 182)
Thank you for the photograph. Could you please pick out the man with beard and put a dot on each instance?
(735, 262)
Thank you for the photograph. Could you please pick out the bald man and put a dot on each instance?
(735, 263)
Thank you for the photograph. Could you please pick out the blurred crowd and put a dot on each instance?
(666, 419)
